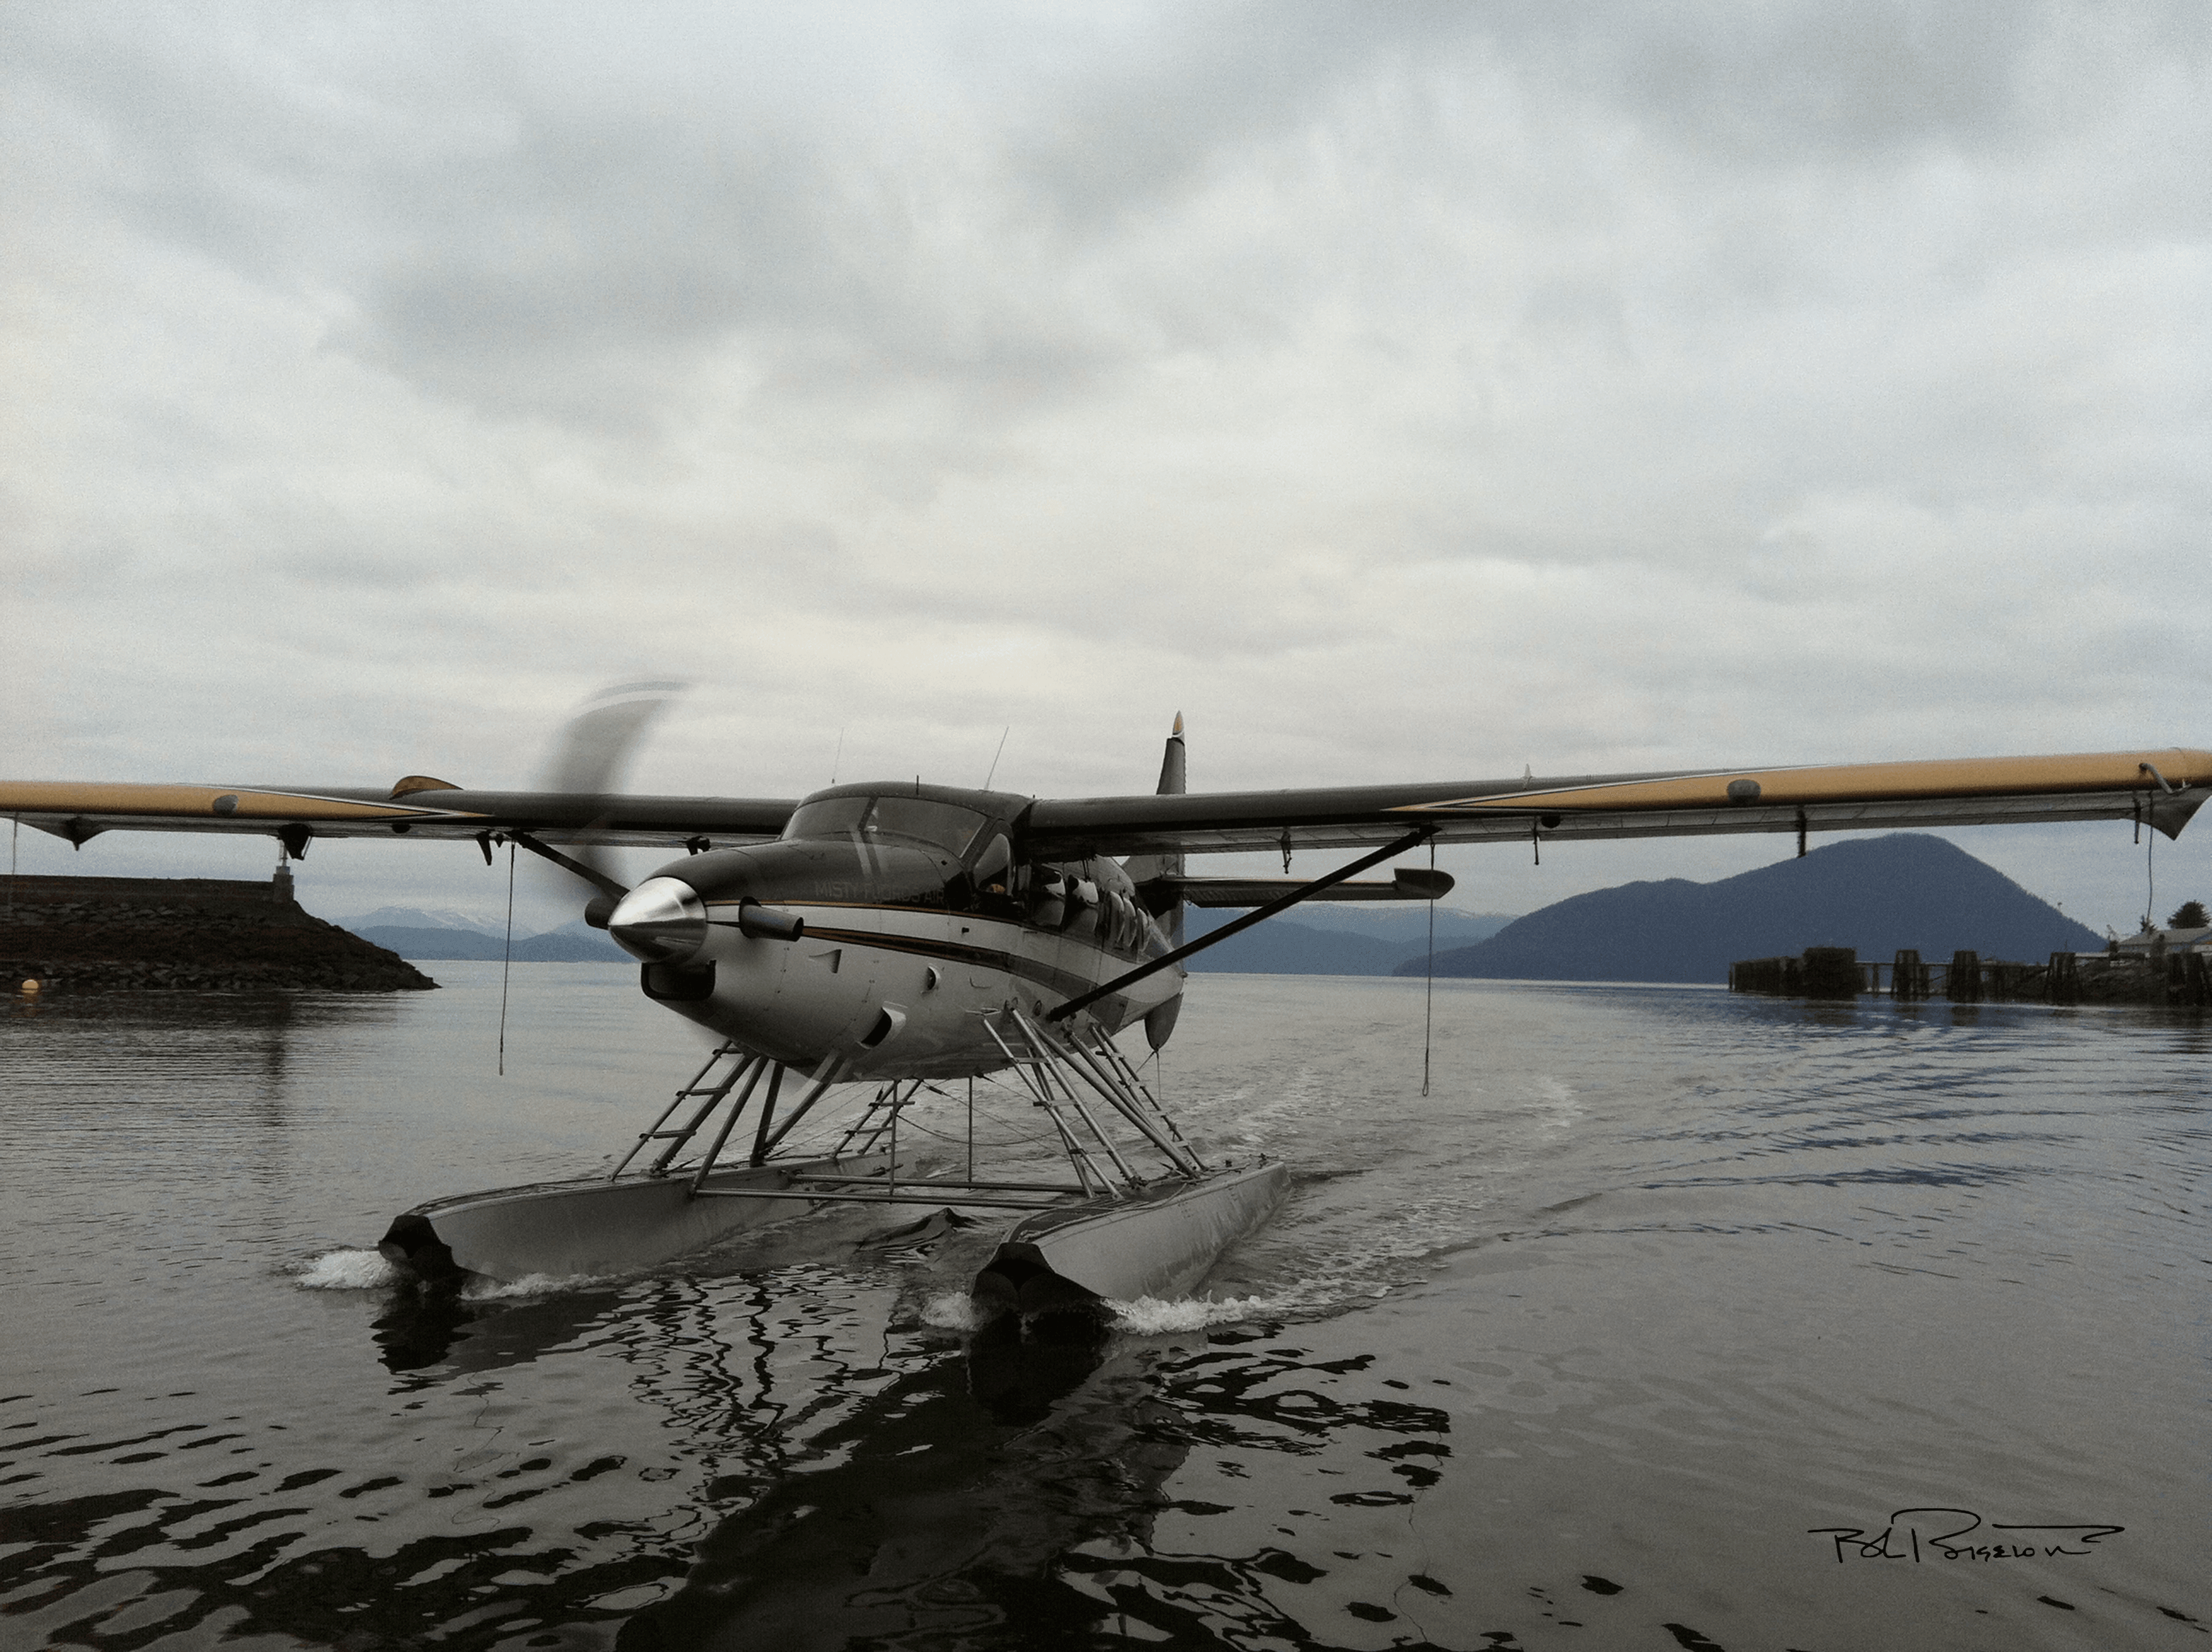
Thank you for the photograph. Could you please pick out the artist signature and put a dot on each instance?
(1918, 1534)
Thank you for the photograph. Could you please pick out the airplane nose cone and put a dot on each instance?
(662, 921)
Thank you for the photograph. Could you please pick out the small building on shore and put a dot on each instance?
(2149, 942)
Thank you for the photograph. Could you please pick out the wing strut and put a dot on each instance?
(591, 875)
(1412, 840)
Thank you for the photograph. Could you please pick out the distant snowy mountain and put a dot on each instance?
(417, 934)
(422, 918)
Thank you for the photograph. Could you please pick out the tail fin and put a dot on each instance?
(1145, 871)
(1170, 784)
(1150, 873)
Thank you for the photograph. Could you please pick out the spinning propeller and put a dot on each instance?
(589, 757)
(663, 920)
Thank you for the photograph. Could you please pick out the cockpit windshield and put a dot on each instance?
(918, 820)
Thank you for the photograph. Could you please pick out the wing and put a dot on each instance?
(2163, 788)
(417, 806)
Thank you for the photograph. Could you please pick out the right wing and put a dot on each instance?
(2160, 788)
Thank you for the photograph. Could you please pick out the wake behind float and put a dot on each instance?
(1120, 1228)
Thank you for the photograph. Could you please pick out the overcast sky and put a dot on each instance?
(1399, 390)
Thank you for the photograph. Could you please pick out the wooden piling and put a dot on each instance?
(2062, 981)
(1831, 972)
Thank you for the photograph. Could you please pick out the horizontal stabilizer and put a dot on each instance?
(1408, 883)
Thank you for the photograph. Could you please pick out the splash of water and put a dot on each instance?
(367, 1270)
(1149, 1316)
(479, 1289)
(952, 1310)
(346, 1269)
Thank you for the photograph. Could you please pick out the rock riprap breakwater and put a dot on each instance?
(183, 934)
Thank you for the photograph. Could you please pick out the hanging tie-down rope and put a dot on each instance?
(1429, 1009)
(506, 957)
(2150, 881)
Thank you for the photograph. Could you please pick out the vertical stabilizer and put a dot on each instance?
(1145, 871)
(1161, 899)
(1170, 784)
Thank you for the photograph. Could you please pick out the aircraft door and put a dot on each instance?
(992, 927)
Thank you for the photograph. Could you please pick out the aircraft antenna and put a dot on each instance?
(1429, 1009)
(996, 755)
(837, 761)
(506, 957)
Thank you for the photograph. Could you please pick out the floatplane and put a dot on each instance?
(847, 948)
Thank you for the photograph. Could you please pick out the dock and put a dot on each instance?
(2180, 978)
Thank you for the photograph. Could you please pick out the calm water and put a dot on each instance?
(1591, 1347)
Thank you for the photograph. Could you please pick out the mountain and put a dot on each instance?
(1341, 939)
(1344, 939)
(1878, 895)
(422, 917)
(572, 943)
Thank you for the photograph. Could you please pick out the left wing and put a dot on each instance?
(2161, 788)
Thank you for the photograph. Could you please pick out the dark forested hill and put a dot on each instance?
(1877, 895)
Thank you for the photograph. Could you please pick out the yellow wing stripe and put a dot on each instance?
(207, 802)
(1960, 777)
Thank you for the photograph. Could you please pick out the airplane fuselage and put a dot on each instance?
(922, 917)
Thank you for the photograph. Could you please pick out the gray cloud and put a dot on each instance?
(1406, 390)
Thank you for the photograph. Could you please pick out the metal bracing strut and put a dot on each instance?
(682, 1134)
(886, 1101)
(1095, 1180)
(730, 1123)
(1112, 1051)
(1053, 1065)
(768, 1113)
(1052, 1068)
(1113, 1086)
(825, 1076)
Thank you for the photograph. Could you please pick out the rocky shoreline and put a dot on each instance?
(81, 935)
